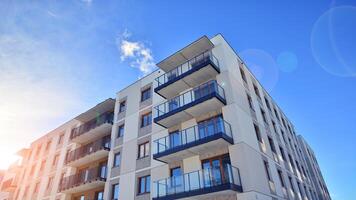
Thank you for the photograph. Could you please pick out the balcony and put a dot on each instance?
(203, 99)
(202, 184)
(8, 186)
(189, 74)
(195, 140)
(83, 181)
(89, 152)
(93, 129)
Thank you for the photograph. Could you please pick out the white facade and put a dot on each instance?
(189, 133)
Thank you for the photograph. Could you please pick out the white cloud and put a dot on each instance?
(136, 54)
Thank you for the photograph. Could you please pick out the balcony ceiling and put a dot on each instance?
(194, 49)
(105, 106)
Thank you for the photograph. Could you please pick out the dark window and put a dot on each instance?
(115, 191)
(282, 153)
(267, 103)
(264, 116)
(291, 183)
(258, 134)
(175, 139)
(146, 94)
(276, 113)
(257, 92)
(242, 72)
(122, 107)
(250, 102)
(176, 177)
(121, 131)
(143, 150)
(300, 190)
(50, 182)
(117, 160)
(144, 184)
(272, 145)
(267, 170)
(48, 145)
(291, 161)
(146, 119)
(55, 160)
(274, 127)
(60, 140)
(99, 195)
(281, 179)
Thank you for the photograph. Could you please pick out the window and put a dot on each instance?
(274, 126)
(291, 183)
(258, 133)
(117, 159)
(50, 182)
(273, 148)
(60, 140)
(48, 145)
(291, 160)
(299, 189)
(267, 170)
(257, 92)
(37, 187)
(250, 102)
(55, 160)
(43, 164)
(145, 94)
(122, 106)
(146, 119)
(267, 103)
(242, 72)
(276, 113)
(282, 153)
(264, 116)
(280, 175)
(115, 192)
(175, 139)
(144, 184)
(121, 131)
(143, 150)
(99, 195)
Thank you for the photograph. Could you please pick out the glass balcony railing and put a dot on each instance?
(191, 135)
(191, 96)
(83, 177)
(187, 66)
(78, 153)
(195, 183)
(102, 119)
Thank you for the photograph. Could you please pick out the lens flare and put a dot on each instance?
(333, 41)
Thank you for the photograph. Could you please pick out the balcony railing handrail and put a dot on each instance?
(198, 179)
(189, 96)
(82, 177)
(87, 149)
(102, 119)
(192, 134)
(187, 66)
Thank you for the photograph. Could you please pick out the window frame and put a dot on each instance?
(146, 119)
(117, 159)
(122, 106)
(146, 94)
(145, 149)
(146, 180)
(121, 131)
(114, 186)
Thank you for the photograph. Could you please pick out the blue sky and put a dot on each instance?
(58, 58)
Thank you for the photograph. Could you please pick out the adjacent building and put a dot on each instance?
(199, 127)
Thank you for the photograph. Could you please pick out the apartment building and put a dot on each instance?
(199, 127)
(315, 173)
